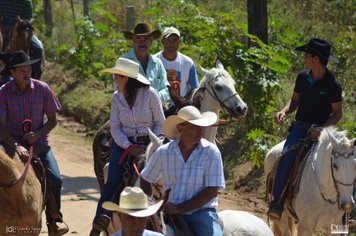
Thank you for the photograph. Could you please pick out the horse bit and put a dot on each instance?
(334, 154)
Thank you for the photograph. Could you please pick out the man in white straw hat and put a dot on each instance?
(181, 70)
(192, 168)
(134, 210)
(150, 66)
(135, 106)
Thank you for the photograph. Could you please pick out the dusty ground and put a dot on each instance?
(80, 190)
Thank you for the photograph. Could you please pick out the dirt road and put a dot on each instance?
(80, 191)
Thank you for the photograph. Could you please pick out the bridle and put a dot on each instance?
(214, 95)
(336, 182)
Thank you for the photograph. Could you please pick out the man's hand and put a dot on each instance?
(279, 117)
(314, 133)
(30, 137)
(137, 150)
(22, 152)
(171, 209)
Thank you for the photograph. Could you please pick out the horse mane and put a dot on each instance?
(324, 136)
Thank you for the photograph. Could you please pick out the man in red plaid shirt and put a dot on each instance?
(24, 98)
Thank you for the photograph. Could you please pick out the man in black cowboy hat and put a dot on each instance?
(318, 101)
(150, 66)
(26, 99)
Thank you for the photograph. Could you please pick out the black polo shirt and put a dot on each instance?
(316, 97)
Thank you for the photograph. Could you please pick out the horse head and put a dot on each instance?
(217, 89)
(343, 166)
(22, 35)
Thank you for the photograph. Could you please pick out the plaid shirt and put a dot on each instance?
(203, 169)
(33, 104)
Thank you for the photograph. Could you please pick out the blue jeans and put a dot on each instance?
(53, 174)
(296, 133)
(204, 222)
(114, 180)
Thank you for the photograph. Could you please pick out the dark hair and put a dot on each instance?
(323, 61)
(131, 88)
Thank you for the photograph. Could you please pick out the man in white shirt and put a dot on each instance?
(192, 168)
(181, 70)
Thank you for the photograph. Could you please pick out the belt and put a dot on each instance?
(305, 125)
(139, 139)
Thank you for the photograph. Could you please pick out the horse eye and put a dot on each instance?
(334, 166)
(218, 87)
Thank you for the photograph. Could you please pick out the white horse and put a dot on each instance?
(217, 93)
(326, 185)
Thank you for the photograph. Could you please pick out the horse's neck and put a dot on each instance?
(208, 104)
(322, 165)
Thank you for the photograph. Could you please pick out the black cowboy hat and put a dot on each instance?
(142, 29)
(20, 58)
(319, 47)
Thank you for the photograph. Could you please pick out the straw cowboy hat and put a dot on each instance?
(129, 68)
(319, 47)
(20, 58)
(190, 114)
(133, 202)
(142, 29)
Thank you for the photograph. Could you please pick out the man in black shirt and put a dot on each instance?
(318, 101)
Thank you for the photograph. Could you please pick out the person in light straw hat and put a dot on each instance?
(134, 107)
(192, 168)
(149, 66)
(134, 210)
(317, 98)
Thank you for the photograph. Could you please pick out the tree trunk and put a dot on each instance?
(86, 8)
(257, 19)
(47, 10)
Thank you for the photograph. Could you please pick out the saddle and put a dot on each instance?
(293, 182)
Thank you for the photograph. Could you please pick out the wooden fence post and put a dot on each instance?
(130, 17)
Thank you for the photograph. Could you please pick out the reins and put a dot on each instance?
(216, 98)
(22, 177)
(335, 181)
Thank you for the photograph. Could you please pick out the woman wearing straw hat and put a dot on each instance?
(317, 97)
(192, 168)
(134, 210)
(135, 106)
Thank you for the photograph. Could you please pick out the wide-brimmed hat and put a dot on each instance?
(142, 29)
(129, 68)
(319, 47)
(187, 114)
(169, 31)
(20, 58)
(133, 202)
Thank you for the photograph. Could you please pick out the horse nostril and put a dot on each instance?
(241, 109)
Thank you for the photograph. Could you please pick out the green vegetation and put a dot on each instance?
(211, 30)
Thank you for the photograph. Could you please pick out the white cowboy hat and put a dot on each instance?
(129, 68)
(133, 202)
(190, 114)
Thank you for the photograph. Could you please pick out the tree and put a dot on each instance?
(86, 8)
(47, 10)
(257, 19)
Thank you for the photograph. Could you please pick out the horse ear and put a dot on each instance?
(334, 141)
(203, 71)
(31, 21)
(353, 141)
(18, 19)
(156, 142)
(219, 65)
